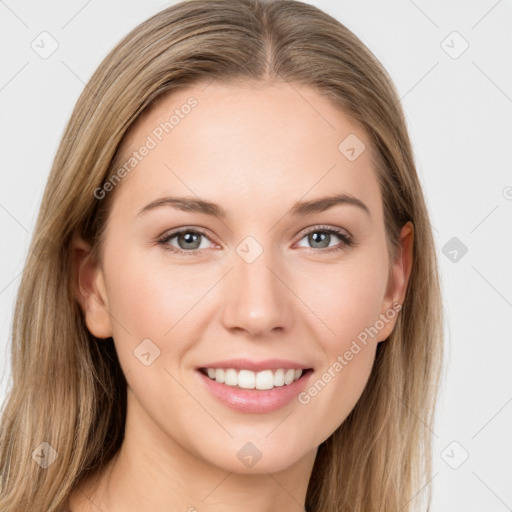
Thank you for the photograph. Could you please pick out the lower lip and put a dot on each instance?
(253, 400)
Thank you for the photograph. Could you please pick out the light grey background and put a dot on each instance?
(459, 112)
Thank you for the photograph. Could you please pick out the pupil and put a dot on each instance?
(319, 237)
(191, 238)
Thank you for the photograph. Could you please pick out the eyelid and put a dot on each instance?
(347, 240)
(194, 229)
(323, 227)
(170, 234)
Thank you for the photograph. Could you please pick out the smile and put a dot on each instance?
(266, 390)
(247, 379)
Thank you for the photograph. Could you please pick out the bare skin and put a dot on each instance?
(255, 150)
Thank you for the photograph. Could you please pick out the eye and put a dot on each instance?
(189, 241)
(320, 237)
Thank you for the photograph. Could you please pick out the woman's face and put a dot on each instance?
(249, 230)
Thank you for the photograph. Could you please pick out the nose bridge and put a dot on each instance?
(256, 300)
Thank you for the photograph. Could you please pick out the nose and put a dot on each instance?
(257, 299)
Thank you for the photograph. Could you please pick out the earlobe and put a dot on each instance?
(89, 289)
(398, 279)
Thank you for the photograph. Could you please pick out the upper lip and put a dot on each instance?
(256, 366)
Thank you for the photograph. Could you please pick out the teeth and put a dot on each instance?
(247, 379)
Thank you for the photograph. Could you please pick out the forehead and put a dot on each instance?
(257, 141)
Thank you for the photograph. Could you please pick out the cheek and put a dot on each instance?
(348, 300)
(348, 359)
(154, 307)
(150, 297)
(337, 387)
(347, 297)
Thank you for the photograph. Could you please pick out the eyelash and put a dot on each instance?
(347, 240)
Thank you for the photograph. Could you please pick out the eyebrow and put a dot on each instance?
(300, 208)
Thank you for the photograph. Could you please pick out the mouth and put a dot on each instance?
(256, 392)
(263, 380)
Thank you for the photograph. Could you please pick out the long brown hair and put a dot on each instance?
(69, 391)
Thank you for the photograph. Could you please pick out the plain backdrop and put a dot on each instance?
(452, 65)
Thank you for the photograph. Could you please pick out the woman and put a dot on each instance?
(231, 296)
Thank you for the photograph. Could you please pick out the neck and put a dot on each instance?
(154, 472)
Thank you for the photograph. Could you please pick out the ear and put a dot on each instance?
(89, 288)
(398, 280)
